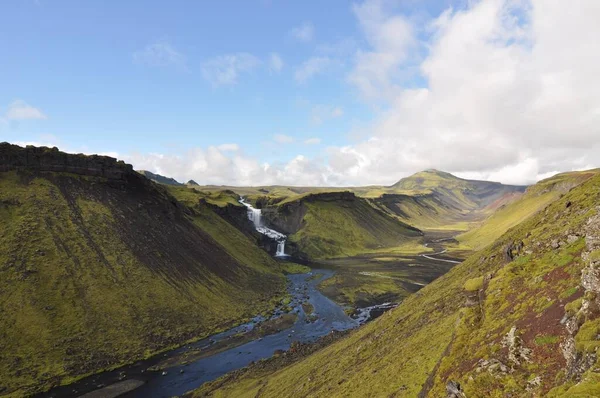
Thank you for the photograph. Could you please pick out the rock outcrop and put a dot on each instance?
(42, 159)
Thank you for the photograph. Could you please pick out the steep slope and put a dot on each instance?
(100, 266)
(536, 198)
(520, 318)
(337, 224)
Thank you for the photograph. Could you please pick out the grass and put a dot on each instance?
(361, 289)
(191, 196)
(294, 268)
(545, 340)
(432, 337)
(344, 228)
(95, 276)
(474, 284)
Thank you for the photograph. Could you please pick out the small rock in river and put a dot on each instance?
(164, 373)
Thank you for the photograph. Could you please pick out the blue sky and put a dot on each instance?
(89, 66)
(304, 93)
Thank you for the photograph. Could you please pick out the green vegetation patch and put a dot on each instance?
(587, 338)
(546, 340)
(474, 284)
(294, 268)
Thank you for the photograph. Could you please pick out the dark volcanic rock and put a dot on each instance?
(14, 157)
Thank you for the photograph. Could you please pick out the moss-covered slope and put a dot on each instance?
(337, 224)
(520, 318)
(536, 198)
(96, 271)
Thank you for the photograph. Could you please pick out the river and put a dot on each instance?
(182, 378)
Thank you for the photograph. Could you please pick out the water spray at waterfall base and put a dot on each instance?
(255, 215)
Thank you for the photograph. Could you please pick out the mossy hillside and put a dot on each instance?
(435, 200)
(429, 211)
(191, 196)
(347, 227)
(435, 336)
(95, 274)
(536, 198)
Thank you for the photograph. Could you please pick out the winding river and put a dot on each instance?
(179, 379)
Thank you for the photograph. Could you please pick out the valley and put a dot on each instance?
(215, 290)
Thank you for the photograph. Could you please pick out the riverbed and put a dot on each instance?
(144, 379)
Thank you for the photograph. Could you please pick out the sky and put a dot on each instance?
(313, 93)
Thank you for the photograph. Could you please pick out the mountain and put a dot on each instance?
(519, 318)
(160, 179)
(336, 224)
(433, 199)
(99, 266)
(192, 183)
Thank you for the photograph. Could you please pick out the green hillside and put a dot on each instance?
(338, 224)
(519, 318)
(99, 266)
(535, 199)
(437, 200)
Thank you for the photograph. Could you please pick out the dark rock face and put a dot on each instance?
(14, 157)
(331, 197)
(287, 218)
(513, 250)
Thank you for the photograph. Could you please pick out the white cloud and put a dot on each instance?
(228, 147)
(160, 53)
(303, 33)
(20, 110)
(213, 166)
(275, 63)
(311, 67)
(377, 71)
(321, 113)
(312, 141)
(283, 139)
(226, 69)
(511, 92)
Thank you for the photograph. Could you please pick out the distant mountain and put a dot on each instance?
(192, 183)
(480, 193)
(435, 199)
(99, 266)
(160, 179)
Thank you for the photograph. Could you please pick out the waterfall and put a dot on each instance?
(280, 248)
(255, 215)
